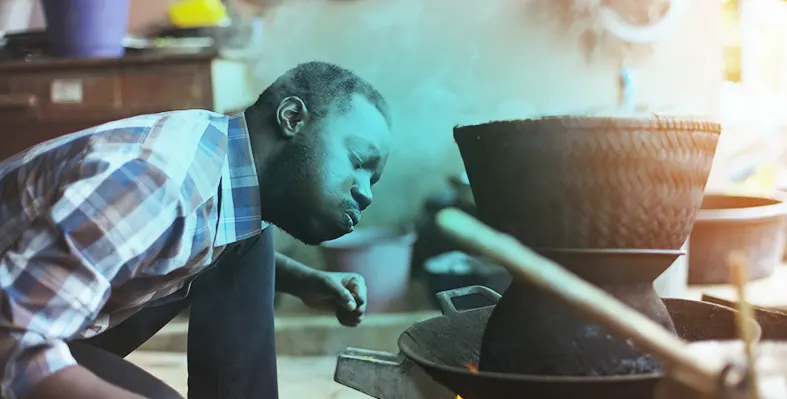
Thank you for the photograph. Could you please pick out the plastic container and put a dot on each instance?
(381, 255)
(197, 13)
(87, 28)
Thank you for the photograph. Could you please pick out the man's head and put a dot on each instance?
(321, 138)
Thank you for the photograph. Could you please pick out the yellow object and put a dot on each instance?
(197, 13)
(762, 181)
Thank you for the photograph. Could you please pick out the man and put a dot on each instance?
(110, 232)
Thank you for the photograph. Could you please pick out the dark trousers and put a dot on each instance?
(231, 342)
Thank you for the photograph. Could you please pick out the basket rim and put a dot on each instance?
(753, 213)
(579, 122)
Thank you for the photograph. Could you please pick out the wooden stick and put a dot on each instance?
(738, 267)
(592, 302)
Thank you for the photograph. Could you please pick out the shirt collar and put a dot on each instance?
(240, 192)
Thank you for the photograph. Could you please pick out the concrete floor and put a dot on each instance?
(307, 345)
(299, 377)
(312, 376)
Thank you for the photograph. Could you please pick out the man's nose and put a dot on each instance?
(362, 193)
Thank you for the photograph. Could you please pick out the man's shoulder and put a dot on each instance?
(174, 137)
(187, 123)
(183, 145)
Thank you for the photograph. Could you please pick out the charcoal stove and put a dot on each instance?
(438, 357)
(612, 200)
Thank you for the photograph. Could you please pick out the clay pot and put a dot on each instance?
(754, 226)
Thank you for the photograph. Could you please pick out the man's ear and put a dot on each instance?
(291, 115)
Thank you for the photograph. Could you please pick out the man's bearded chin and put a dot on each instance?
(286, 196)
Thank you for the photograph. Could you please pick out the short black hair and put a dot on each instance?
(320, 85)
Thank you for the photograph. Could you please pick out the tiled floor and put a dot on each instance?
(299, 377)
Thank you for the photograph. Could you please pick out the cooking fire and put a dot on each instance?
(473, 369)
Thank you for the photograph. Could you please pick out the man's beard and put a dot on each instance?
(287, 194)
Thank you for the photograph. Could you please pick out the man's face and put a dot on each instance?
(322, 180)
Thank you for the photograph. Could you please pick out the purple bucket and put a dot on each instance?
(87, 28)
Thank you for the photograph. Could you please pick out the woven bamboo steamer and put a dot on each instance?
(590, 181)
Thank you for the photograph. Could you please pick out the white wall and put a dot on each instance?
(447, 62)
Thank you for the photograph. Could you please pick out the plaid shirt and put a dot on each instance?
(96, 224)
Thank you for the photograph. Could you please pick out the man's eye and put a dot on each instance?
(357, 162)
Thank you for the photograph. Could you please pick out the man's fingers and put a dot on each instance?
(342, 295)
(361, 308)
(348, 318)
(357, 285)
(347, 300)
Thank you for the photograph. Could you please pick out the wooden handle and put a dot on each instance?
(594, 303)
(740, 273)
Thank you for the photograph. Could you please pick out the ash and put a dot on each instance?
(644, 364)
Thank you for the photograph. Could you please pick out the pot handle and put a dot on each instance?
(362, 370)
(383, 375)
(445, 298)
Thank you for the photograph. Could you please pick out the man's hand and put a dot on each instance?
(342, 293)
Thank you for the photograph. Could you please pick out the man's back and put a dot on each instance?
(84, 215)
(168, 141)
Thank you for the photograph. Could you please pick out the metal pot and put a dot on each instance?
(446, 348)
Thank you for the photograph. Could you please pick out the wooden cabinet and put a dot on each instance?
(40, 100)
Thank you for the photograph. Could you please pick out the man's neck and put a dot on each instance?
(263, 143)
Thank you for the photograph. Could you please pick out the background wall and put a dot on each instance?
(446, 62)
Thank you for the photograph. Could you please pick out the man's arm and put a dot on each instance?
(343, 293)
(100, 231)
(290, 274)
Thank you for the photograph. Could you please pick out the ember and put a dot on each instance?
(473, 369)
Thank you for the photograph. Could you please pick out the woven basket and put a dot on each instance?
(590, 182)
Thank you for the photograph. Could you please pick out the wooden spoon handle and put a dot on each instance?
(594, 303)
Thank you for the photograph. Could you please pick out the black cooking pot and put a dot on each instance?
(446, 348)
